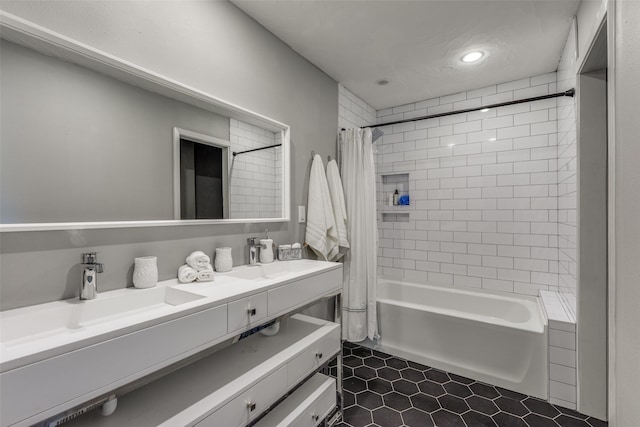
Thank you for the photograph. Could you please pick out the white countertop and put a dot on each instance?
(16, 351)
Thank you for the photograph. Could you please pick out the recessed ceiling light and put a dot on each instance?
(484, 110)
(472, 56)
(383, 82)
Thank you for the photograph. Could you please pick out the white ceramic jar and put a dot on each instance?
(223, 260)
(145, 272)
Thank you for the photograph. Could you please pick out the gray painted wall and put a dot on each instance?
(623, 69)
(96, 149)
(592, 241)
(214, 47)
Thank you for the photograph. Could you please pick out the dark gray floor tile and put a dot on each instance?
(594, 422)
(418, 366)
(444, 418)
(437, 376)
(511, 406)
(476, 419)
(405, 387)
(416, 418)
(386, 417)
(568, 421)
(412, 375)
(352, 361)
(361, 352)
(349, 398)
(431, 388)
(457, 389)
(484, 390)
(388, 374)
(354, 384)
(379, 386)
(347, 372)
(357, 416)
(365, 372)
(397, 363)
(453, 404)
(347, 344)
(541, 407)
(397, 401)
(483, 405)
(503, 419)
(571, 412)
(535, 420)
(511, 394)
(424, 402)
(373, 362)
(369, 400)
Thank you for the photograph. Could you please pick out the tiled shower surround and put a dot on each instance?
(483, 188)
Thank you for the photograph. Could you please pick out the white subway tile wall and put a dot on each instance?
(567, 180)
(352, 111)
(255, 177)
(562, 350)
(483, 188)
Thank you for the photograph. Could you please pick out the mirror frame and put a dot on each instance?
(47, 42)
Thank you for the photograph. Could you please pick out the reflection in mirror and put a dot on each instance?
(201, 168)
(256, 171)
(81, 146)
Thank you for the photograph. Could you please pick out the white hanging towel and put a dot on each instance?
(339, 208)
(321, 234)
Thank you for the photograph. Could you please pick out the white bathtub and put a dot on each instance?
(500, 340)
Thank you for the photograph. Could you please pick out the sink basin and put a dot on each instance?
(274, 270)
(69, 315)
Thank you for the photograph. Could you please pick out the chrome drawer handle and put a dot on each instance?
(251, 406)
(319, 355)
(251, 311)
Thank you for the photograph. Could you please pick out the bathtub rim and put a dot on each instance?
(536, 324)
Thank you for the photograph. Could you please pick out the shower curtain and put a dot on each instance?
(359, 318)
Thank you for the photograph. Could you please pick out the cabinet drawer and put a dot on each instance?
(245, 407)
(313, 357)
(295, 294)
(305, 407)
(247, 312)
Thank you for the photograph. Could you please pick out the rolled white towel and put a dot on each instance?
(205, 275)
(198, 260)
(186, 274)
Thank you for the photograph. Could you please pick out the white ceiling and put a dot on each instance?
(418, 44)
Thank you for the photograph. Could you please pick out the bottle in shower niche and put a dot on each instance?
(396, 198)
(390, 199)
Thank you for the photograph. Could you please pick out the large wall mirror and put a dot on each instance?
(91, 141)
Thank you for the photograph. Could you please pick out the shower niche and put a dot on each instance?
(394, 206)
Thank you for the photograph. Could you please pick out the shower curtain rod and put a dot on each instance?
(571, 92)
(235, 153)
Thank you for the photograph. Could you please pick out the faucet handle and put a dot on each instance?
(253, 241)
(90, 258)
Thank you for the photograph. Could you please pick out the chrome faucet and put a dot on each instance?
(254, 247)
(89, 285)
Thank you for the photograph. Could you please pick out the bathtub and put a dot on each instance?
(497, 339)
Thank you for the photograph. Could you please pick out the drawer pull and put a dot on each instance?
(251, 311)
(251, 406)
(319, 355)
(315, 417)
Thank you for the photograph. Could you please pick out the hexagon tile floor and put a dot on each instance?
(382, 390)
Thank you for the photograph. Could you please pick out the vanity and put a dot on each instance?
(178, 354)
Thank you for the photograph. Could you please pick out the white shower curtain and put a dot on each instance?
(359, 318)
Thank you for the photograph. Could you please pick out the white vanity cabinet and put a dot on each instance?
(231, 387)
(230, 373)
